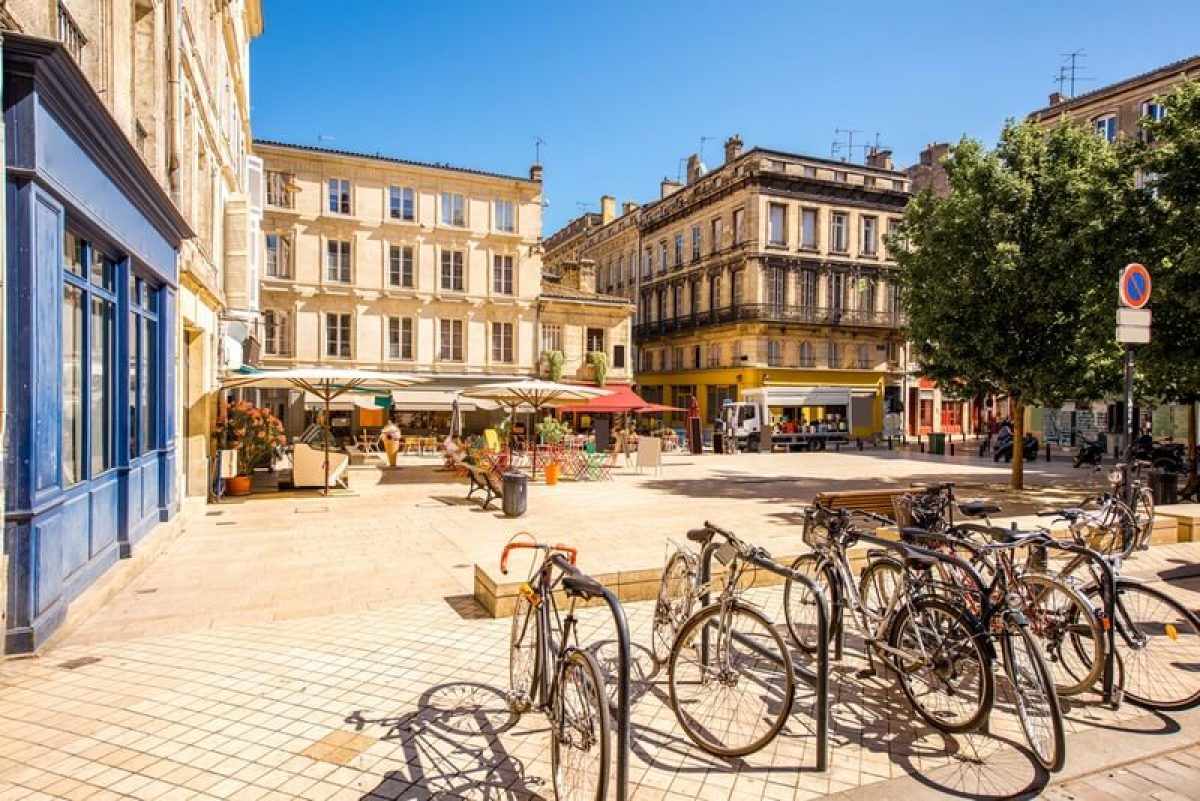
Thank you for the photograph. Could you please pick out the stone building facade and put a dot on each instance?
(128, 227)
(769, 270)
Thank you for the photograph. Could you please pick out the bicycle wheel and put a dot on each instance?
(1143, 513)
(522, 655)
(880, 582)
(800, 605)
(1036, 701)
(1158, 642)
(731, 679)
(1069, 630)
(943, 670)
(579, 745)
(674, 594)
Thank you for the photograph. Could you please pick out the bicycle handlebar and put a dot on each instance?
(558, 547)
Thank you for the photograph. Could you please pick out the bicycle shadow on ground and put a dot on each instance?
(452, 748)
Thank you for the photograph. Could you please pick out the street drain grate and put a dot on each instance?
(83, 661)
(150, 591)
(213, 514)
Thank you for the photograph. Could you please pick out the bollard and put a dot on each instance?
(860, 445)
(889, 443)
(1047, 451)
(921, 444)
(951, 448)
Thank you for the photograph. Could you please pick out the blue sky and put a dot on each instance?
(621, 91)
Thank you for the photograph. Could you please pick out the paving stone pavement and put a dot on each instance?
(1174, 776)
(408, 703)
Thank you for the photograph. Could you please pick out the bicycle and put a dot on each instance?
(899, 601)
(730, 676)
(554, 674)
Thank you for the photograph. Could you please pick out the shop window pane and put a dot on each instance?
(102, 271)
(149, 379)
(73, 254)
(72, 421)
(101, 390)
(135, 327)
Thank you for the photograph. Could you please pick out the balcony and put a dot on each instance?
(771, 313)
(70, 34)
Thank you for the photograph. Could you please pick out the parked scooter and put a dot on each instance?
(1166, 456)
(1091, 452)
(1004, 446)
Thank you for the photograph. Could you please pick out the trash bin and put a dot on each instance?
(1165, 486)
(718, 442)
(516, 491)
(937, 444)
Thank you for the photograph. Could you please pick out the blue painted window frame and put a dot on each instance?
(144, 394)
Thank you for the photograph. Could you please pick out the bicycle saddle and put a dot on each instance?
(582, 586)
(978, 508)
(700, 535)
(1008, 536)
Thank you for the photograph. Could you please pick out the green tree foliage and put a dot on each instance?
(1010, 280)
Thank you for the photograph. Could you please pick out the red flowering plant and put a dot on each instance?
(256, 433)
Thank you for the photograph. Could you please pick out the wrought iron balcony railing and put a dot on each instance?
(772, 313)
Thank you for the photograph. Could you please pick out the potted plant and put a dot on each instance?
(554, 364)
(598, 359)
(551, 432)
(256, 433)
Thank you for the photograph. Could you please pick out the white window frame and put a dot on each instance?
(552, 337)
(696, 242)
(739, 226)
(869, 246)
(774, 353)
(401, 339)
(457, 272)
(839, 232)
(504, 274)
(503, 342)
(777, 224)
(283, 255)
(407, 196)
(498, 217)
(810, 236)
(396, 278)
(277, 332)
(345, 195)
(1105, 126)
(451, 348)
(716, 227)
(345, 261)
(334, 341)
(456, 209)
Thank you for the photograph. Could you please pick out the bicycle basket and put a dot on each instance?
(902, 506)
(1103, 536)
(816, 529)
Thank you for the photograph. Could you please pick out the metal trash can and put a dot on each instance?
(937, 444)
(1165, 486)
(516, 494)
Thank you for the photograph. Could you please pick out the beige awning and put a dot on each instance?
(435, 400)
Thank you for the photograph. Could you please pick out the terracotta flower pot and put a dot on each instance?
(238, 485)
(552, 473)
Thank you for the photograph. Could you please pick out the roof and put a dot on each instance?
(1183, 65)
(390, 160)
(559, 292)
(621, 399)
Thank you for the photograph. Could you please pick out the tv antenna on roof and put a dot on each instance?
(703, 140)
(583, 206)
(837, 144)
(537, 149)
(1070, 69)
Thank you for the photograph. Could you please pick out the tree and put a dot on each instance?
(1169, 162)
(1009, 280)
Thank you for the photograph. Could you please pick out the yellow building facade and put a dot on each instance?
(771, 270)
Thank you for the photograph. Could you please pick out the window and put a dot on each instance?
(280, 186)
(776, 224)
(865, 290)
(400, 267)
(1152, 111)
(737, 288)
(739, 226)
(676, 358)
(454, 211)
(552, 338)
(806, 355)
(502, 275)
(452, 270)
(621, 272)
(337, 336)
(870, 236)
(898, 185)
(647, 262)
(502, 342)
(696, 243)
(837, 294)
(279, 256)
(714, 292)
(618, 357)
(806, 289)
(503, 217)
(893, 234)
(450, 341)
(74, 365)
(339, 195)
(808, 229)
(595, 340)
(864, 357)
(838, 223)
(277, 333)
(893, 298)
(676, 301)
(662, 256)
(400, 338)
(714, 244)
(808, 171)
(774, 353)
(143, 367)
(694, 296)
(679, 249)
(835, 355)
(714, 354)
(402, 203)
(337, 261)
(1106, 127)
(840, 176)
(777, 288)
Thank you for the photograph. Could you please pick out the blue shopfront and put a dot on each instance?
(92, 244)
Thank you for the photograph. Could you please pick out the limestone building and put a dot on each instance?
(769, 270)
(129, 228)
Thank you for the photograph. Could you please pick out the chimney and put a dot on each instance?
(1056, 98)
(608, 209)
(693, 169)
(668, 187)
(628, 206)
(733, 148)
(535, 173)
(880, 158)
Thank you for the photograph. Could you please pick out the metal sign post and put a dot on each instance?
(1133, 328)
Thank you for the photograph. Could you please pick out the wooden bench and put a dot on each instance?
(480, 478)
(878, 501)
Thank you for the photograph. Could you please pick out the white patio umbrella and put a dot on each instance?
(326, 383)
(532, 392)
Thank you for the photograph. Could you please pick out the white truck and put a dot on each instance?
(791, 418)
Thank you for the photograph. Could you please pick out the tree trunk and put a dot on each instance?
(1017, 480)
